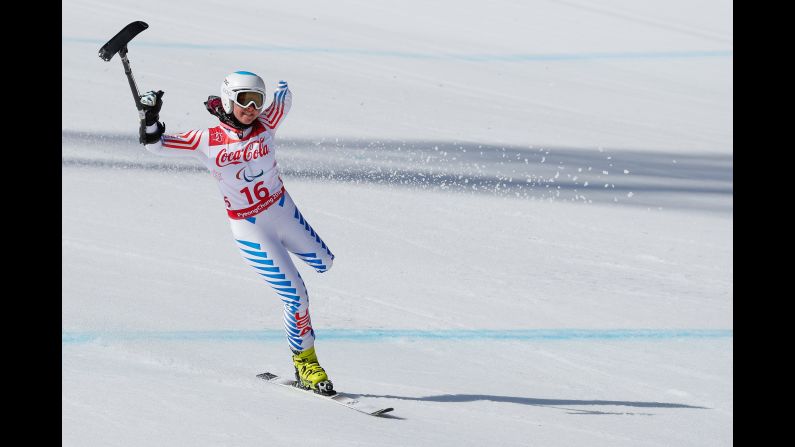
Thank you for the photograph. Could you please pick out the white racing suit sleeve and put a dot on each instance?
(192, 143)
(274, 115)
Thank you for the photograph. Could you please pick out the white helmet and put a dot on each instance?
(238, 82)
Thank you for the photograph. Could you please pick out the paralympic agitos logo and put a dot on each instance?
(242, 173)
(252, 151)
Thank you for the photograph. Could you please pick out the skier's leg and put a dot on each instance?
(302, 240)
(264, 253)
(261, 246)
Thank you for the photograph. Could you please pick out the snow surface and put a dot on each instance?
(530, 203)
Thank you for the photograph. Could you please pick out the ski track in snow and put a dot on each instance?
(644, 179)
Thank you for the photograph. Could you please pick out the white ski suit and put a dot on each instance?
(265, 222)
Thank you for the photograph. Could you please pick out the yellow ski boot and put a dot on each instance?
(309, 374)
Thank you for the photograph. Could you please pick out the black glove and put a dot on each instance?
(151, 102)
(149, 138)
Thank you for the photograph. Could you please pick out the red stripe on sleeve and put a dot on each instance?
(274, 121)
(188, 140)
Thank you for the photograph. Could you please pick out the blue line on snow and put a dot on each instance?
(386, 334)
(521, 57)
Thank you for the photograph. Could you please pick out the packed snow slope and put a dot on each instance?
(530, 204)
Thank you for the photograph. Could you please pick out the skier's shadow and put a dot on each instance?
(552, 403)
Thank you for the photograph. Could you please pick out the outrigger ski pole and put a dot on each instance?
(118, 44)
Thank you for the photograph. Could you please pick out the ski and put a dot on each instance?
(343, 399)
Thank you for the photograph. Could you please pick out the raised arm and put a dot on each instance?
(273, 116)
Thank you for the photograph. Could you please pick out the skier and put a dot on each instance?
(266, 224)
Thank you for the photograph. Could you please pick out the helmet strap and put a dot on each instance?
(230, 119)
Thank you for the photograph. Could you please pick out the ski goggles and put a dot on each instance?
(245, 98)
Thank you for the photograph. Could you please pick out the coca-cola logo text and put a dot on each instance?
(253, 150)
